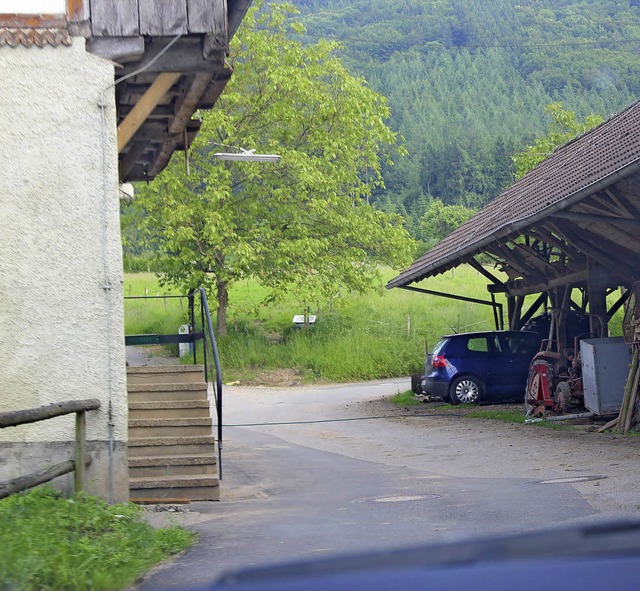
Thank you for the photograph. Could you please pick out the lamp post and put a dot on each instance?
(246, 156)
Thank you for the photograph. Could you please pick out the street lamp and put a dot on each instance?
(246, 156)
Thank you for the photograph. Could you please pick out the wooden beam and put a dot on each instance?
(622, 205)
(130, 158)
(570, 235)
(520, 287)
(552, 240)
(134, 120)
(185, 55)
(13, 418)
(533, 308)
(618, 303)
(18, 21)
(77, 10)
(189, 102)
(515, 313)
(201, 84)
(478, 267)
(116, 49)
(533, 258)
(596, 219)
(518, 260)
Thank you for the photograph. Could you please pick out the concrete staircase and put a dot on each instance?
(171, 445)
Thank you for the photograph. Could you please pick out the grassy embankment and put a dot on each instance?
(82, 543)
(359, 337)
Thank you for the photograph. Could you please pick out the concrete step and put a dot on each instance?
(169, 409)
(190, 465)
(164, 446)
(168, 374)
(167, 392)
(194, 488)
(171, 427)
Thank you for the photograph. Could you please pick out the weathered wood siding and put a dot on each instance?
(127, 18)
(114, 18)
(207, 16)
(168, 17)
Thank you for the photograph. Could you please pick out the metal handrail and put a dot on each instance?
(207, 335)
(217, 390)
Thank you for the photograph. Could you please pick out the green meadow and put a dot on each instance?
(379, 334)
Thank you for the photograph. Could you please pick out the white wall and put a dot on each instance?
(61, 306)
(33, 6)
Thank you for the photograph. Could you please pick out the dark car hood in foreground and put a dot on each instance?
(592, 557)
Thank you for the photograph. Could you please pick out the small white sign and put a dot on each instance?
(33, 7)
(299, 319)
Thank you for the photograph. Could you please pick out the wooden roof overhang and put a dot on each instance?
(571, 221)
(172, 63)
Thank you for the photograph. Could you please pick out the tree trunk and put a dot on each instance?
(223, 301)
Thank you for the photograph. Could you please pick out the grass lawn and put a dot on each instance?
(51, 542)
(380, 334)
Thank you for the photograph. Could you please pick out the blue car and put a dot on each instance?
(487, 366)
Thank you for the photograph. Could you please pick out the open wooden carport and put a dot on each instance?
(572, 224)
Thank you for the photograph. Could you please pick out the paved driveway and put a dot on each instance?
(316, 471)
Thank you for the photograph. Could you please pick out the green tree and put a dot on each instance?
(303, 225)
(440, 220)
(563, 127)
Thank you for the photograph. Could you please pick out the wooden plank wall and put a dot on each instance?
(168, 17)
(207, 16)
(127, 18)
(114, 18)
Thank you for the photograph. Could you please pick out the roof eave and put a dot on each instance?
(514, 226)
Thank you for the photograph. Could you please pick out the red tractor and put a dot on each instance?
(554, 384)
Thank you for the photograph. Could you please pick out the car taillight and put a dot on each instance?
(438, 361)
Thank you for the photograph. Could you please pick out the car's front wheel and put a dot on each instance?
(466, 390)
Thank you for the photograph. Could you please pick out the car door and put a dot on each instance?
(518, 349)
(483, 352)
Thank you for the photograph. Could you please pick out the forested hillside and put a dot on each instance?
(468, 80)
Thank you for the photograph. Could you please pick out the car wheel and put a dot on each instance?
(466, 390)
(416, 386)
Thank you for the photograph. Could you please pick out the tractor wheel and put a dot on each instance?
(537, 394)
(563, 397)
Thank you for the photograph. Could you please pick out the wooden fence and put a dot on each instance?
(77, 465)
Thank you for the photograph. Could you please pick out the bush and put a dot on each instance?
(51, 542)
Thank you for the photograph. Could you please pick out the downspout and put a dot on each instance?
(107, 294)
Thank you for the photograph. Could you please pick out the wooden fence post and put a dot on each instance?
(79, 475)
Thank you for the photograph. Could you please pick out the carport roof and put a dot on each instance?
(552, 198)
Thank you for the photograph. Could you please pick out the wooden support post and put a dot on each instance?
(597, 285)
(515, 322)
(630, 387)
(511, 306)
(79, 475)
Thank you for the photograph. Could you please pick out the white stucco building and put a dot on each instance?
(70, 132)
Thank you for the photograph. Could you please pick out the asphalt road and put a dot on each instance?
(311, 472)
